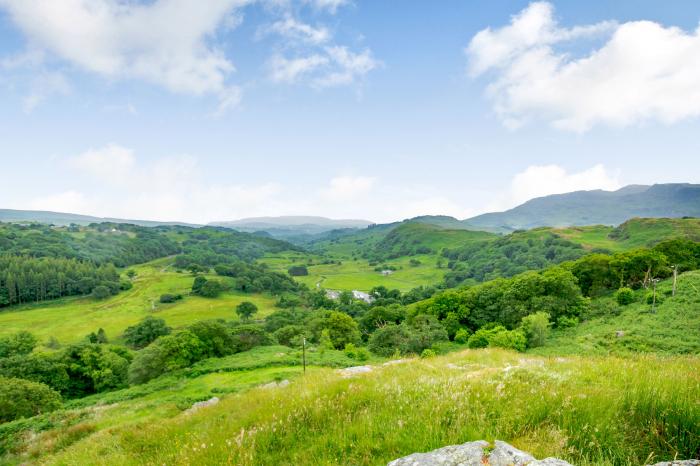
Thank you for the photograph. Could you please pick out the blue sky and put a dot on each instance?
(221, 109)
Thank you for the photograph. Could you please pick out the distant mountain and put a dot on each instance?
(63, 219)
(596, 208)
(291, 226)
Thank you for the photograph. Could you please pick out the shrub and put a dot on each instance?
(480, 338)
(94, 368)
(427, 353)
(211, 289)
(101, 292)
(451, 324)
(215, 337)
(298, 271)
(536, 328)
(624, 296)
(146, 332)
(288, 333)
(509, 339)
(125, 285)
(37, 367)
(462, 336)
(170, 298)
(649, 298)
(567, 322)
(23, 398)
(356, 353)
(390, 339)
(246, 337)
(167, 353)
(17, 344)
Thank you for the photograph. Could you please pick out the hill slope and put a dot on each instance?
(596, 207)
(65, 219)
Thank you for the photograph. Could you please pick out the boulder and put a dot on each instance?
(679, 463)
(473, 454)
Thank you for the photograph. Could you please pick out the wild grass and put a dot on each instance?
(610, 411)
(71, 319)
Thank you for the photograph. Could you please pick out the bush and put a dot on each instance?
(462, 336)
(567, 322)
(167, 353)
(536, 328)
(170, 298)
(146, 332)
(389, 339)
(23, 398)
(509, 339)
(480, 338)
(624, 296)
(101, 292)
(427, 353)
(342, 329)
(298, 271)
(356, 353)
(288, 333)
(17, 344)
(246, 337)
(125, 285)
(211, 289)
(649, 298)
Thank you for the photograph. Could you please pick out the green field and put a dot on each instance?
(357, 274)
(71, 319)
(586, 410)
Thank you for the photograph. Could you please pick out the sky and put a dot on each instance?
(214, 110)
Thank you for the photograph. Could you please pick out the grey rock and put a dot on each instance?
(472, 454)
(679, 463)
(467, 454)
(202, 404)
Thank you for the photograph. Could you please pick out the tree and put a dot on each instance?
(198, 283)
(145, 332)
(101, 292)
(536, 328)
(23, 398)
(246, 309)
(17, 344)
(298, 271)
(211, 289)
(342, 329)
(390, 338)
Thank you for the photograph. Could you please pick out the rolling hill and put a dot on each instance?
(287, 227)
(596, 208)
(65, 219)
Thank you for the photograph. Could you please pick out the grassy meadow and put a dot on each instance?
(70, 319)
(357, 274)
(588, 410)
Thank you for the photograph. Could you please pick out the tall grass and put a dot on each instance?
(613, 411)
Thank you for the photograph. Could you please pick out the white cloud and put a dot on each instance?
(543, 180)
(289, 70)
(350, 66)
(329, 5)
(293, 29)
(642, 72)
(346, 188)
(111, 163)
(165, 42)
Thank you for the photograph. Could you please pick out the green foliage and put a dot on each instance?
(101, 292)
(567, 322)
(288, 334)
(298, 271)
(23, 398)
(378, 316)
(257, 278)
(357, 353)
(422, 332)
(94, 368)
(246, 310)
(29, 279)
(342, 329)
(168, 298)
(145, 332)
(481, 338)
(427, 353)
(18, 344)
(249, 336)
(508, 256)
(211, 289)
(536, 327)
(166, 354)
(462, 336)
(48, 369)
(624, 296)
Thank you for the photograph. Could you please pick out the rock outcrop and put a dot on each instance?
(479, 453)
(476, 454)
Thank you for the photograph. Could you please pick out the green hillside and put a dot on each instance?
(596, 207)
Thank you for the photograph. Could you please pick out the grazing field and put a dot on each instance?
(602, 411)
(70, 319)
(357, 274)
